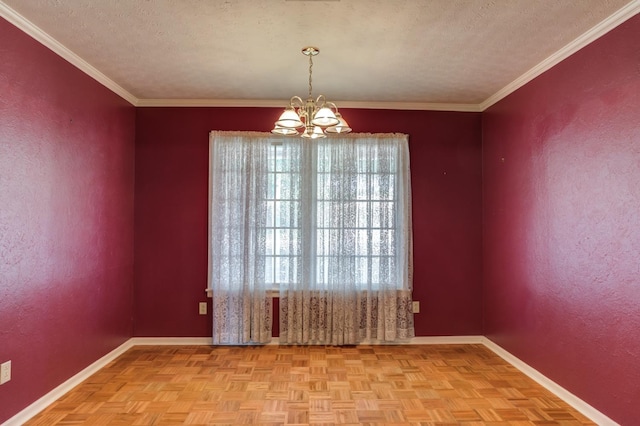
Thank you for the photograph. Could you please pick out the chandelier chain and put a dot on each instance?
(310, 72)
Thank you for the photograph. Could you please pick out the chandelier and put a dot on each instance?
(313, 118)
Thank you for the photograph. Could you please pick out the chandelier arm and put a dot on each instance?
(331, 105)
(296, 102)
(320, 101)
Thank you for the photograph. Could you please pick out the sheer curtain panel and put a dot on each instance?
(238, 188)
(353, 276)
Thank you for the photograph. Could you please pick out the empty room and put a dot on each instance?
(319, 212)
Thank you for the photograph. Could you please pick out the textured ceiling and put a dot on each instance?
(372, 51)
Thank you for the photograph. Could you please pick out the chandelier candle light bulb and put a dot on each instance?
(315, 118)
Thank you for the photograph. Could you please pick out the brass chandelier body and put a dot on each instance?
(313, 118)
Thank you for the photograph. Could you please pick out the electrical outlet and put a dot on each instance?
(202, 308)
(416, 307)
(5, 372)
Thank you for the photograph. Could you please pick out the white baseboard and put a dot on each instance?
(581, 406)
(66, 386)
(146, 341)
(447, 340)
(423, 340)
(587, 410)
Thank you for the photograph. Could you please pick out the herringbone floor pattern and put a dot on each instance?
(303, 385)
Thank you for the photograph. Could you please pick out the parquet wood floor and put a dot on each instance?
(304, 385)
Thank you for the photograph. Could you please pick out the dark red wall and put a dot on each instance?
(562, 223)
(171, 213)
(66, 219)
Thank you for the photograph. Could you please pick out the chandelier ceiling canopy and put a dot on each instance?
(313, 118)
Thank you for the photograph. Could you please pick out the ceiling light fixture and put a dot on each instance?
(313, 118)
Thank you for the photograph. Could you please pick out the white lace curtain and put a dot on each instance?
(326, 224)
(237, 225)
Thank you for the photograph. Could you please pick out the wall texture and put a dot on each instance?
(561, 160)
(171, 213)
(66, 219)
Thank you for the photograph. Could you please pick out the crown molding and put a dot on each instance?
(279, 103)
(418, 106)
(19, 21)
(231, 103)
(622, 15)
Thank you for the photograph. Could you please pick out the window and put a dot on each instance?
(282, 253)
(359, 205)
(367, 206)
